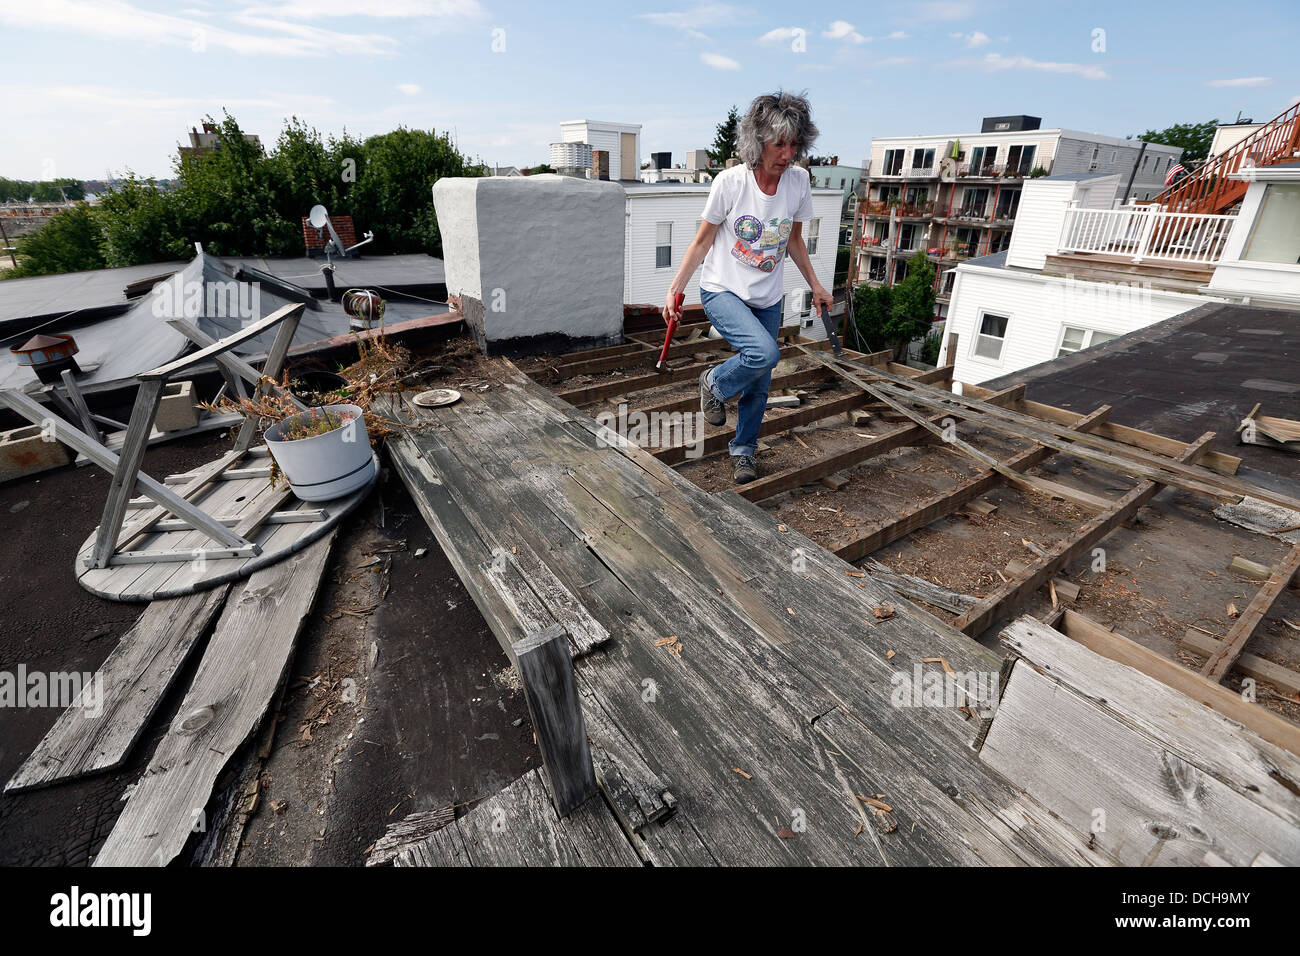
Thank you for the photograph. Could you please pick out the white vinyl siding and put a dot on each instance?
(1040, 307)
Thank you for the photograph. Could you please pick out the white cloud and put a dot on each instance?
(410, 89)
(943, 10)
(779, 35)
(719, 62)
(996, 61)
(1243, 81)
(843, 30)
(701, 15)
(971, 40)
(892, 61)
(382, 9)
(898, 35)
(117, 19)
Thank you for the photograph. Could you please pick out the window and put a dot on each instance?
(1145, 162)
(900, 270)
(1275, 237)
(1113, 154)
(805, 309)
(889, 192)
(974, 202)
(906, 237)
(916, 195)
(876, 269)
(1008, 203)
(893, 162)
(1072, 339)
(999, 240)
(810, 237)
(945, 284)
(1020, 159)
(990, 337)
(663, 245)
(922, 158)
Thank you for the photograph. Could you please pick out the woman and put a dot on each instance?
(753, 218)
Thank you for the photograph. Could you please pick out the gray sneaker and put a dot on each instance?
(746, 469)
(715, 412)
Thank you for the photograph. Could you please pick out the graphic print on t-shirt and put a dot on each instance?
(760, 245)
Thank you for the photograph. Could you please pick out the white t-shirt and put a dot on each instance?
(748, 253)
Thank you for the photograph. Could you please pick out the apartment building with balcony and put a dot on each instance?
(1083, 268)
(956, 196)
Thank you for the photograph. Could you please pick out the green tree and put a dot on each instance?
(393, 194)
(540, 168)
(889, 317)
(138, 224)
(1194, 138)
(724, 144)
(69, 242)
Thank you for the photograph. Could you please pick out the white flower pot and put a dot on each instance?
(326, 466)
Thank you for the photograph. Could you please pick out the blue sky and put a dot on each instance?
(91, 86)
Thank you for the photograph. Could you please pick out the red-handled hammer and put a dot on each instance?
(678, 299)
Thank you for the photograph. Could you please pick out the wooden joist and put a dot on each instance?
(1248, 665)
(1243, 629)
(1160, 444)
(946, 502)
(687, 373)
(770, 485)
(243, 665)
(773, 425)
(1009, 597)
(1130, 459)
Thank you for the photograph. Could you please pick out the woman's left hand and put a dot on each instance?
(820, 297)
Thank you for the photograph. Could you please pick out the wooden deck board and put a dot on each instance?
(243, 665)
(652, 556)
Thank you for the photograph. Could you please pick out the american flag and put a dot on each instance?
(1177, 172)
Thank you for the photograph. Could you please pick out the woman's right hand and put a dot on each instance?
(671, 310)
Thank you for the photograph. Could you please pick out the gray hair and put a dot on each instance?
(772, 118)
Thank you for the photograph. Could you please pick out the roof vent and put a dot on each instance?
(48, 356)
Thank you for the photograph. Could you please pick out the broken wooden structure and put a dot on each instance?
(215, 524)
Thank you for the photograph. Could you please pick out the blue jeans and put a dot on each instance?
(752, 332)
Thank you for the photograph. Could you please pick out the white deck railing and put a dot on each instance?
(1146, 232)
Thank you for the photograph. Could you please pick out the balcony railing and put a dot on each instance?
(953, 250)
(882, 207)
(1147, 232)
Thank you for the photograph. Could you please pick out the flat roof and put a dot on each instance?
(1200, 371)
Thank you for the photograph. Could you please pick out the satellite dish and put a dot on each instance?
(318, 217)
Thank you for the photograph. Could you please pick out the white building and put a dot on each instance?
(1078, 271)
(622, 141)
(663, 218)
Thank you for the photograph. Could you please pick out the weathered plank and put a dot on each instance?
(244, 663)
(546, 671)
(1201, 734)
(134, 679)
(520, 827)
(1117, 647)
(1130, 783)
